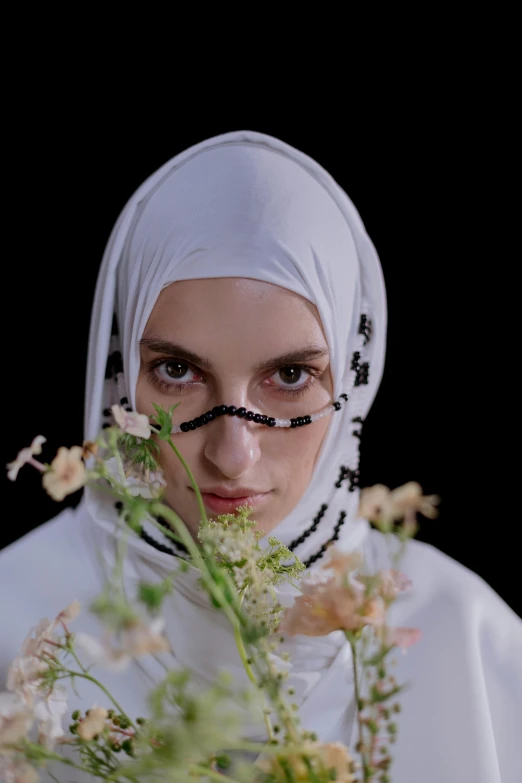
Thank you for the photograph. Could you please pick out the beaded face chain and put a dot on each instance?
(359, 376)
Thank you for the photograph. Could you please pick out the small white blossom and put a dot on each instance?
(15, 720)
(132, 423)
(66, 473)
(24, 456)
(93, 723)
(49, 712)
(115, 653)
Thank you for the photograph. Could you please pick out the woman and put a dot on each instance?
(240, 274)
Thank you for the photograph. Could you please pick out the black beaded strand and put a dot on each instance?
(335, 537)
(312, 529)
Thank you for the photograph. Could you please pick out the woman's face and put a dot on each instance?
(242, 342)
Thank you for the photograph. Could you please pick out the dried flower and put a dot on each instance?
(116, 652)
(90, 449)
(132, 423)
(66, 473)
(93, 723)
(26, 456)
(142, 481)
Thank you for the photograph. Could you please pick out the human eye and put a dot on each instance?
(292, 379)
(172, 375)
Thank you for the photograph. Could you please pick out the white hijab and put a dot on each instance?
(248, 205)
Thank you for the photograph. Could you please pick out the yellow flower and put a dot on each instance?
(384, 506)
(330, 757)
(93, 723)
(66, 473)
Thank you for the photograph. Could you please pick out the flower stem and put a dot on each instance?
(86, 676)
(210, 773)
(357, 697)
(192, 480)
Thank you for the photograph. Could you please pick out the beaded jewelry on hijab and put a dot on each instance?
(359, 376)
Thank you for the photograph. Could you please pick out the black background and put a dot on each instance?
(418, 164)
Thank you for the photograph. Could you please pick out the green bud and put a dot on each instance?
(291, 691)
(223, 761)
(141, 721)
(396, 707)
(76, 714)
(124, 722)
(392, 728)
(73, 727)
(128, 746)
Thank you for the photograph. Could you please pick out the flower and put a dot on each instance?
(132, 423)
(49, 712)
(329, 606)
(24, 456)
(143, 481)
(330, 757)
(17, 771)
(15, 720)
(403, 637)
(66, 473)
(93, 723)
(115, 653)
(382, 505)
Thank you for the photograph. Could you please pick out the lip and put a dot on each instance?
(225, 501)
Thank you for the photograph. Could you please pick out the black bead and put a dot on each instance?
(210, 415)
(231, 410)
(216, 411)
(118, 505)
(105, 426)
(204, 419)
(241, 412)
(184, 426)
(337, 406)
(293, 423)
(257, 418)
(264, 419)
(124, 401)
(271, 422)
(344, 396)
(223, 410)
(357, 420)
(306, 533)
(308, 419)
(249, 415)
(192, 425)
(107, 412)
(300, 421)
(338, 484)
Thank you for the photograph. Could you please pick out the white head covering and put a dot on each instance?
(246, 204)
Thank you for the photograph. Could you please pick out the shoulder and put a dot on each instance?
(41, 573)
(443, 586)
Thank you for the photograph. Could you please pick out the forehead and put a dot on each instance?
(226, 314)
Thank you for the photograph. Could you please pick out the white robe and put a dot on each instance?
(462, 712)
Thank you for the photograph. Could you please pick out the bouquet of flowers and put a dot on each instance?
(190, 734)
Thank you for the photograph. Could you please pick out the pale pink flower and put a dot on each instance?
(93, 723)
(380, 504)
(66, 473)
(49, 712)
(15, 720)
(115, 653)
(403, 637)
(26, 456)
(16, 770)
(24, 677)
(132, 423)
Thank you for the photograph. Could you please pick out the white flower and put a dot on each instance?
(132, 423)
(15, 720)
(142, 481)
(115, 653)
(25, 677)
(66, 473)
(24, 456)
(49, 712)
(17, 771)
(93, 723)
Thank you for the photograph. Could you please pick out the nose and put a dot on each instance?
(232, 446)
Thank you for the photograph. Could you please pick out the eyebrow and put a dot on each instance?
(307, 353)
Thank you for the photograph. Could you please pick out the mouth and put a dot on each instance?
(227, 503)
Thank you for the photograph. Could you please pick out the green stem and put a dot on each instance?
(210, 773)
(192, 480)
(357, 696)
